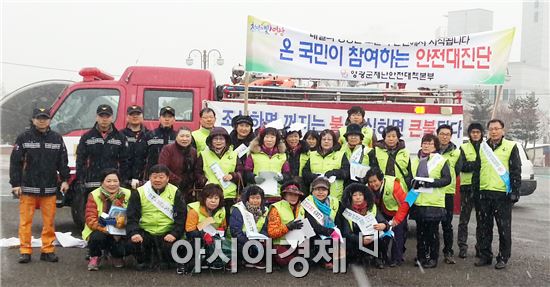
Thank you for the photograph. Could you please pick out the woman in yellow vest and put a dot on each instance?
(100, 201)
(267, 154)
(282, 218)
(218, 152)
(356, 115)
(429, 208)
(209, 208)
(392, 157)
(249, 215)
(321, 210)
(297, 152)
(358, 200)
(328, 160)
(354, 138)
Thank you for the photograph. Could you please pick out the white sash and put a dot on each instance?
(356, 155)
(496, 164)
(314, 211)
(158, 201)
(248, 219)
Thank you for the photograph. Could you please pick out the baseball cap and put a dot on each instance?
(167, 109)
(104, 110)
(41, 112)
(134, 109)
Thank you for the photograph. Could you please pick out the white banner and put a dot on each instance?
(413, 126)
(472, 59)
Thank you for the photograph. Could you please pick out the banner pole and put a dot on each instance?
(497, 100)
(246, 81)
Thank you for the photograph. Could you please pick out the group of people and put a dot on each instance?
(206, 186)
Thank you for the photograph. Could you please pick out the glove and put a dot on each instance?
(335, 235)
(134, 183)
(208, 240)
(428, 184)
(417, 184)
(514, 196)
(294, 225)
(278, 177)
(259, 180)
(331, 173)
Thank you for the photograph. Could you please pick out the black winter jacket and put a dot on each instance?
(36, 160)
(147, 155)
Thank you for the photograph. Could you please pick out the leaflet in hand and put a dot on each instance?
(424, 189)
(270, 185)
(213, 231)
(119, 215)
(298, 236)
(256, 236)
(357, 170)
(218, 172)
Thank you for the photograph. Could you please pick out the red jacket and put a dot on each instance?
(399, 195)
(181, 162)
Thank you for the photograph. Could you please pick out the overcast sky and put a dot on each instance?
(111, 36)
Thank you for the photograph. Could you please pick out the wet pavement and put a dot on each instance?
(529, 264)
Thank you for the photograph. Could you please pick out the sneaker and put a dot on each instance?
(24, 258)
(500, 265)
(117, 262)
(142, 266)
(463, 253)
(449, 259)
(49, 257)
(379, 263)
(93, 264)
(249, 265)
(328, 265)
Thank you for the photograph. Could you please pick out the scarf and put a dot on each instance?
(111, 196)
(324, 207)
(360, 208)
(255, 210)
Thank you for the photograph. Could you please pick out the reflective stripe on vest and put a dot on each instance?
(437, 197)
(321, 165)
(152, 219)
(367, 136)
(218, 217)
(285, 213)
(388, 197)
(402, 159)
(228, 163)
(488, 177)
(199, 136)
(452, 158)
(470, 155)
(96, 195)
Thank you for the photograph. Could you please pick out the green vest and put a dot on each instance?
(152, 219)
(319, 164)
(470, 155)
(452, 158)
(373, 211)
(437, 197)
(367, 136)
(199, 136)
(334, 204)
(219, 216)
(96, 194)
(488, 177)
(402, 159)
(262, 162)
(228, 163)
(259, 224)
(388, 198)
(304, 157)
(285, 213)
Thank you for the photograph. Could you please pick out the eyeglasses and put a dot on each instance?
(494, 129)
(445, 134)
